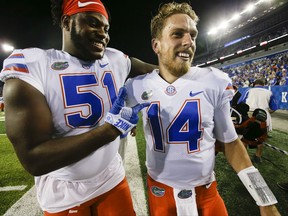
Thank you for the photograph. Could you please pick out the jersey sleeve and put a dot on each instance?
(224, 87)
(224, 127)
(120, 60)
(244, 96)
(27, 65)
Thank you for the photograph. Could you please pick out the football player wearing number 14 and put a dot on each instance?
(57, 101)
(189, 111)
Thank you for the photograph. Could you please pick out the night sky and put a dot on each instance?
(28, 23)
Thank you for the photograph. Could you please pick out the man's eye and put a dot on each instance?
(177, 34)
(93, 24)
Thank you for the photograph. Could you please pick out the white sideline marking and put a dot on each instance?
(134, 177)
(28, 205)
(13, 188)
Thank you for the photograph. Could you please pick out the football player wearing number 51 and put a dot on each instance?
(56, 114)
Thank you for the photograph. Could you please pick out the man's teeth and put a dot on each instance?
(98, 44)
(184, 55)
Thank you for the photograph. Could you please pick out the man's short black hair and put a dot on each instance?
(259, 82)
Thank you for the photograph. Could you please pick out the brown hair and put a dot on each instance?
(259, 82)
(165, 11)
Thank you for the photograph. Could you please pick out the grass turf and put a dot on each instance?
(11, 174)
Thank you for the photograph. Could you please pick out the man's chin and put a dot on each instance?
(185, 67)
(96, 55)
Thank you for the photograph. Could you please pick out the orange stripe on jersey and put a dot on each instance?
(229, 87)
(16, 55)
(16, 67)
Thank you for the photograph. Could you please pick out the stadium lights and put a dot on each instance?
(249, 8)
(7, 47)
(223, 25)
(236, 16)
(260, 1)
(213, 31)
(223, 58)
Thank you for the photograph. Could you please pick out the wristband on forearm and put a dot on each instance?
(257, 187)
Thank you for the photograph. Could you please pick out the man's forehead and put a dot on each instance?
(180, 19)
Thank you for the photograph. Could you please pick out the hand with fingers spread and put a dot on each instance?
(122, 117)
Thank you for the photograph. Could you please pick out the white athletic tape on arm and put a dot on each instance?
(257, 187)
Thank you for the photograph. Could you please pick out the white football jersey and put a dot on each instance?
(182, 123)
(260, 97)
(79, 95)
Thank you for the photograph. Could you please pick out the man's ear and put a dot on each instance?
(155, 45)
(65, 22)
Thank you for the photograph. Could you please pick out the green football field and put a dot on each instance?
(238, 201)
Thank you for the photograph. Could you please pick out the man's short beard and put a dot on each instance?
(178, 70)
(79, 44)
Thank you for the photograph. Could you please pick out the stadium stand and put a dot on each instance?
(273, 68)
(255, 48)
(262, 31)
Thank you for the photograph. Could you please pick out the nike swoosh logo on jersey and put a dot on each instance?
(103, 65)
(84, 4)
(194, 94)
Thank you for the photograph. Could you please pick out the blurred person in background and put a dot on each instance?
(236, 96)
(260, 97)
(284, 78)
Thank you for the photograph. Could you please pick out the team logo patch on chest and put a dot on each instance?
(158, 192)
(170, 90)
(60, 65)
(146, 95)
(86, 66)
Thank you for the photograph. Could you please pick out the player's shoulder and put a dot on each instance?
(210, 73)
(30, 54)
(217, 73)
(114, 53)
(146, 76)
(140, 79)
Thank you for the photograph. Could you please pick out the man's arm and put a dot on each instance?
(139, 67)
(30, 129)
(237, 156)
